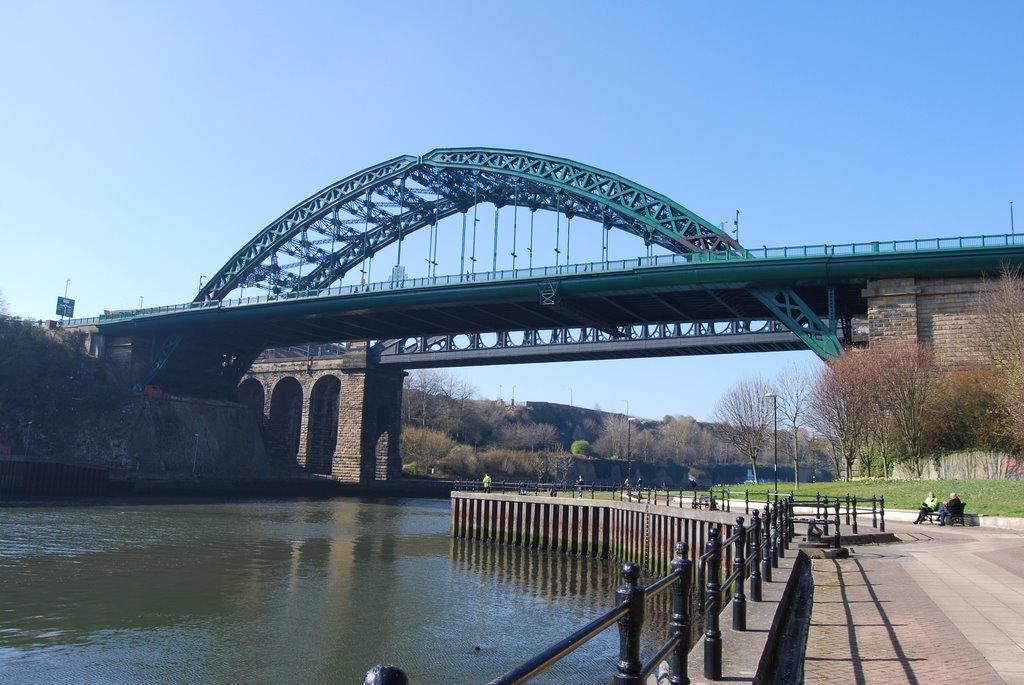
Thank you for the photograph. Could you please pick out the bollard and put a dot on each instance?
(791, 512)
(630, 627)
(784, 526)
(881, 506)
(713, 636)
(754, 553)
(385, 674)
(766, 546)
(739, 600)
(792, 517)
(679, 626)
(775, 535)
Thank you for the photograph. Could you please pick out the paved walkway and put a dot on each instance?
(947, 605)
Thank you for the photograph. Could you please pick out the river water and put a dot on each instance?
(290, 591)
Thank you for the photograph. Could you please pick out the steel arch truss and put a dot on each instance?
(318, 241)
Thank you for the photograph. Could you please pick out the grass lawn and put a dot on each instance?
(991, 497)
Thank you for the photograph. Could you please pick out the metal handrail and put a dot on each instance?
(562, 648)
(836, 251)
(629, 616)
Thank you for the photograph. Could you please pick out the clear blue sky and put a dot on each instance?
(141, 144)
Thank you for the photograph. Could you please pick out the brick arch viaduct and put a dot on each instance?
(329, 414)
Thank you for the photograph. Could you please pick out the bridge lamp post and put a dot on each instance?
(629, 450)
(775, 415)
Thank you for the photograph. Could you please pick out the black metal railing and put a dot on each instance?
(757, 548)
(629, 616)
(852, 507)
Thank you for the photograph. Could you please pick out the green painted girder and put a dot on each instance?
(456, 180)
(162, 352)
(786, 306)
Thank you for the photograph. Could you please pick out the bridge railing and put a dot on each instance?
(695, 258)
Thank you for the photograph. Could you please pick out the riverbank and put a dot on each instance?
(296, 485)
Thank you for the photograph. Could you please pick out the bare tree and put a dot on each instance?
(794, 392)
(901, 373)
(528, 436)
(682, 438)
(437, 396)
(840, 408)
(744, 418)
(3, 305)
(611, 442)
(1002, 305)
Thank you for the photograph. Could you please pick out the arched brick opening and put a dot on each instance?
(380, 452)
(252, 394)
(322, 435)
(285, 421)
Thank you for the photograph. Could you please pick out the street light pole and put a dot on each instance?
(775, 415)
(629, 448)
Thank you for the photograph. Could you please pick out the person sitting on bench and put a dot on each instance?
(952, 507)
(928, 507)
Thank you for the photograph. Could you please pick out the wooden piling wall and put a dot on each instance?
(626, 531)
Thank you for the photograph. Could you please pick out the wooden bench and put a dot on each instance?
(704, 502)
(952, 518)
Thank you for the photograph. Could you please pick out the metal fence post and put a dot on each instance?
(874, 512)
(855, 513)
(784, 532)
(792, 517)
(754, 547)
(775, 536)
(766, 550)
(679, 626)
(881, 504)
(739, 565)
(713, 636)
(630, 627)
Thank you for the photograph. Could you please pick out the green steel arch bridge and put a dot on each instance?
(683, 285)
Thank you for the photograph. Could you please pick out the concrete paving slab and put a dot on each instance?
(944, 605)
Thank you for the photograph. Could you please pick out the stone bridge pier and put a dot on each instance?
(331, 414)
(941, 313)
